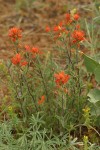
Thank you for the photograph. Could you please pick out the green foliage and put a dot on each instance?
(35, 137)
(93, 66)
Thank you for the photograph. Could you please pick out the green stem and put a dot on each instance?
(15, 87)
(43, 81)
(21, 90)
(30, 92)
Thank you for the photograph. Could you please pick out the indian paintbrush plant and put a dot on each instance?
(48, 92)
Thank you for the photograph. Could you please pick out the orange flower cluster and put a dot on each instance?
(34, 50)
(17, 60)
(78, 36)
(76, 17)
(15, 34)
(61, 78)
(61, 27)
(41, 100)
(70, 18)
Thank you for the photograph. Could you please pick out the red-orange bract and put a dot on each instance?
(35, 50)
(61, 78)
(78, 35)
(41, 100)
(16, 59)
(76, 17)
(59, 28)
(15, 33)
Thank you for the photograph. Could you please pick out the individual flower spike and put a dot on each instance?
(76, 17)
(61, 78)
(41, 100)
(35, 50)
(78, 35)
(47, 29)
(68, 18)
(16, 59)
(15, 34)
